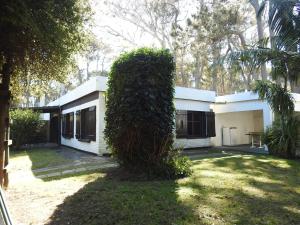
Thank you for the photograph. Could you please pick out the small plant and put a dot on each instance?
(178, 166)
(281, 138)
(26, 128)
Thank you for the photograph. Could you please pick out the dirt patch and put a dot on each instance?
(33, 201)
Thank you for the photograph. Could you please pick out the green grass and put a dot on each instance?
(238, 189)
(39, 158)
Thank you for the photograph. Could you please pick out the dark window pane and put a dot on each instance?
(71, 132)
(190, 116)
(78, 124)
(211, 129)
(88, 123)
(181, 124)
(190, 128)
(196, 116)
(197, 129)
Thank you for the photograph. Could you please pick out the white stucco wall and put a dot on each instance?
(193, 105)
(93, 84)
(231, 107)
(297, 102)
(98, 146)
(101, 121)
(243, 110)
(244, 122)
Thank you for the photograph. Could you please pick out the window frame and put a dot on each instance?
(83, 132)
(68, 125)
(191, 118)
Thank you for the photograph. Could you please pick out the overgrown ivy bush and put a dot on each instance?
(26, 128)
(281, 138)
(140, 113)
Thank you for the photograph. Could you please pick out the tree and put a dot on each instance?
(140, 113)
(260, 31)
(216, 29)
(153, 17)
(42, 34)
(96, 51)
(284, 23)
(281, 137)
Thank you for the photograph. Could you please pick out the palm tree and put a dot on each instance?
(284, 23)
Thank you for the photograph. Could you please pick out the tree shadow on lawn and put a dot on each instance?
(227, 190)
(118, 200)
(262, 190)
(276, 169)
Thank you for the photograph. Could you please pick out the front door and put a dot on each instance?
(54, 126)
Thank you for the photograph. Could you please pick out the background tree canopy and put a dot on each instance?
(38, 38)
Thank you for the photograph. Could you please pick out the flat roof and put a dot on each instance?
(99, 83)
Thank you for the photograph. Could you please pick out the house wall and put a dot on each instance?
(98, 146)
(244, 122)
(102, 108)
(193, 105)
(244, 106)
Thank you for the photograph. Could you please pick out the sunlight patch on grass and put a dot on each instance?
(225, 190)
(292, 209)
(38, 158)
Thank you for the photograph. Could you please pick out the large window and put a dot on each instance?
(86, 124)
(195, 124)
(68, 125)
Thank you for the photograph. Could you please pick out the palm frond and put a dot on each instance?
(280, 100)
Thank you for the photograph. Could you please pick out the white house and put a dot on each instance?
(202, 118)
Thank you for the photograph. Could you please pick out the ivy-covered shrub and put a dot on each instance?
(26, 128)
(140, 110)
(281, 138)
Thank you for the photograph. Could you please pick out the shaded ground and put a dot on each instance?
(238, 189)
(52, 162)
(225, 188)
(30, 198)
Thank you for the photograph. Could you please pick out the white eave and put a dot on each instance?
(238, 97)
(194, 94)
(94, 84)
(99, 83)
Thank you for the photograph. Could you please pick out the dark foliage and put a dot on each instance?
(140, 110)
(281, 138)
(27, 128)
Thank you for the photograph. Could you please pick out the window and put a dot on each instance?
(195, 124)
(181, 124)
(68, 125)
(86, 124)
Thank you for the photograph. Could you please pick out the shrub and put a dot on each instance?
(140, 111)
(177, 166)
(26, 127)
(281, 138)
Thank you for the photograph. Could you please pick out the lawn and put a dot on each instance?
(230, 189)
(38, 158)
(237, 189)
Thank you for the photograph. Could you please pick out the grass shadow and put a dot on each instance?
(113, 200)
(226, 189)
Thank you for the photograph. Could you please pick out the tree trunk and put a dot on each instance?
(4, 120)
(87, 71)
(216, 55)
(260, 33)
(198, 71)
